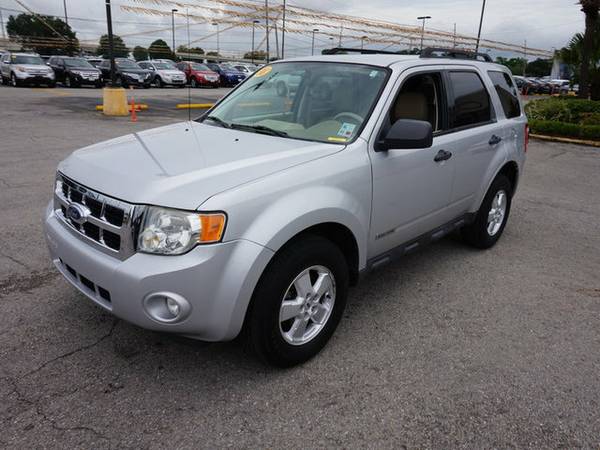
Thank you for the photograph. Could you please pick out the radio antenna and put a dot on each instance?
(187, 15)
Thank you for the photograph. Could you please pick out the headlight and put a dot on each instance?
(20, 69)
(172, 232)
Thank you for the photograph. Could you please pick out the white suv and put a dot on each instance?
(20, 69)
(164, 73)
(259, 215)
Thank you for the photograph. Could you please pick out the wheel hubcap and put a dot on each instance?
(497, 213)
(307, 305)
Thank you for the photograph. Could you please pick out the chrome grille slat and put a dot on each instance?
(109, 238)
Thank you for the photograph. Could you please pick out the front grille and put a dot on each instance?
(107, 222)
(92, 288)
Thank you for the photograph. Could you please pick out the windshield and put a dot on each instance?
(200, 67)
(126, 64)
(22, 59)
(164, 66)
(316, 101)
(78, 62)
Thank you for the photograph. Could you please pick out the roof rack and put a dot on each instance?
(344, 50)
(439, 52)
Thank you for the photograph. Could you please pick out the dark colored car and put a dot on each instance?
(228, 75)
(127, 73)
(75, 72)
(525, 86)
(199, 74)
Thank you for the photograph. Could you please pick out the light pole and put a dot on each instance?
(65, 6)
(254, 22)
(423, 18)
(218, 45)
(267, 27)
(283, 33)
(362, 42)
(312, 52)
(173, 11)
(480, 24)
(111, 55)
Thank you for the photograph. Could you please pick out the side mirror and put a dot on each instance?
(405, 134)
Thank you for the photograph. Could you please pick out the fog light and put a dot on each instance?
(166, 307)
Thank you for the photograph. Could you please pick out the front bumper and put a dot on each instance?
(25, 77)
(80, 79)
(217, 280)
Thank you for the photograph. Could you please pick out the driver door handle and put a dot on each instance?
(442, 155)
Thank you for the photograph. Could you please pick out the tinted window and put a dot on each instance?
(507, 92)
(419, 99)
(471, 100)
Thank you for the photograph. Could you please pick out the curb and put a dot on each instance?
(194, 105)
(564, 140)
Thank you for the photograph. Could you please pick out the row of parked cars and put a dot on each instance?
(530, 86)
(20, 69)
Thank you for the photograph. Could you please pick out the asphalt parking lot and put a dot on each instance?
(449, 347)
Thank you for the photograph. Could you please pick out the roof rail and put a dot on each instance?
(439, 52)
(344, 50)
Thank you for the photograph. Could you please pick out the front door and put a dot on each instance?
(412, 188)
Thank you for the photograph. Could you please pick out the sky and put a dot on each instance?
(545, 24)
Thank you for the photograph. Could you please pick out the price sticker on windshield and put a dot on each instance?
(264, 71)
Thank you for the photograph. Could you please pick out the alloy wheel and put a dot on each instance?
(497, 213)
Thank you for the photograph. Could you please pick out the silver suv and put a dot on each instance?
(259, 215)
(20, 69)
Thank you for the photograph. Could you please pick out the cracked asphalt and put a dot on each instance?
(447, 348)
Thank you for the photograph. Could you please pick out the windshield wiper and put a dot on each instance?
(258, 129)
(216, 120)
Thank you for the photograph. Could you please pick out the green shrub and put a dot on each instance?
(567, 110)
(563, 129)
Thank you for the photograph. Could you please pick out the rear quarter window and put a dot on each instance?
(507, 92)
(471, 100)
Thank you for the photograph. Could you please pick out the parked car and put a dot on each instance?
(75, 72)
(127, 73)
(164, 74)
(20, 69)
(227, 75)
(524, 85)
(260, 217)
(199, 74)
(244, 69)
(95, 61)
(561, 86)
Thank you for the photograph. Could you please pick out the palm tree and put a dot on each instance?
(591, 9)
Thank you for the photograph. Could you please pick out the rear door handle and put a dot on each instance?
(495, 140)
(442, 155)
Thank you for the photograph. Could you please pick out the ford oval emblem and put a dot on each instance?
(77, 213)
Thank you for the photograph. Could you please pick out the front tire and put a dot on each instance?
(492, 216)
(298, 302)
(193, 83)
(14, 81)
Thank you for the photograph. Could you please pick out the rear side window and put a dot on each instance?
(471, 100)
(507, 92)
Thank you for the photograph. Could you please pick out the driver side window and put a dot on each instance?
(420, 98)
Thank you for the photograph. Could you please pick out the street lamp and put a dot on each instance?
(173, 11)
(218, 45)
(362, 42)
(254, 22)
(423, 18)
(312, 52)
(480, 24)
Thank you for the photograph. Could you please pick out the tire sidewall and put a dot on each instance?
(265, 328)
(481, 235)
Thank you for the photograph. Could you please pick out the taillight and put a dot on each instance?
(526, 137)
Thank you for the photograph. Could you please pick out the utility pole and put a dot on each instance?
(341, 31)
(312, 52)
(65, 6)
(480, 24)
(283, 33)
(2, 25)
(276, 40)
(362, 42)
(218, 45)
(423, 18)
(173, 11)
(254, 22)
(111, 54)
(454, 42)
(525, 57)
(267, 26)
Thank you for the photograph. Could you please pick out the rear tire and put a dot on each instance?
(314, 312)
(492, 216)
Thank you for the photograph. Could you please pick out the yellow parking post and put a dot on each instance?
(114, 102)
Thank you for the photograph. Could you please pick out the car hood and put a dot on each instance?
(34, 66)
(142, 71)
(84, 69)
(182, 165)
(170, 72)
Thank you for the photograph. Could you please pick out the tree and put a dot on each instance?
(213, 54)
(184, 49)
(43, 34)
(258, 54)
(539, 67)
(516, 65)
(591, 9)
(572, 55)
(140, 53)
(120, 50)
(159, 49)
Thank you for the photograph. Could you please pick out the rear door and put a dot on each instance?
(474, 135)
